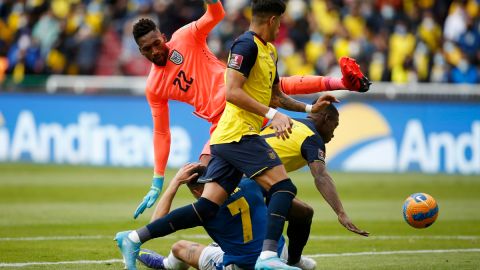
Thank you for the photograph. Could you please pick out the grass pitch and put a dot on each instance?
(64, 217)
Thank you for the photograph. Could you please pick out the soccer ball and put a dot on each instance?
(420, 210)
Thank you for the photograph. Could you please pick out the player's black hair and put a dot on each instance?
(263, 8)
(194, 182)
(143, 27)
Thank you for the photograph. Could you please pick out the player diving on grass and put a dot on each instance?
(184, 69)
(306, 146)
(252, 85)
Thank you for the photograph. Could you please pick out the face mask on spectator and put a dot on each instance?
(428, 23)
(438, 59)
(448, 47)
(463, 65)
(400, 29)
(387, 12)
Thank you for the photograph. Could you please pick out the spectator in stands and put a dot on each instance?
(393, 40)
(464, 72)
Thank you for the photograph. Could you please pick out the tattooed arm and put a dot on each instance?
(282, 100)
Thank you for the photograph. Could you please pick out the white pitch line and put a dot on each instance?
(50, 238)
(396, 237)
(428, 251)
(204, 236)
(395, 252)
(58, 263)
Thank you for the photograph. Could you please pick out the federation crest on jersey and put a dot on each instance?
(176, 57)
(235, 61)
(271, 154)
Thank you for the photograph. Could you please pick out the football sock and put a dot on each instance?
(133, 235)
(185, 217)
(297, 232)
(281, 195)
(172, 262)
(267, 254)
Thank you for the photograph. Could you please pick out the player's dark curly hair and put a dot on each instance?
(143, 27)
(200, 170)
(268, 7)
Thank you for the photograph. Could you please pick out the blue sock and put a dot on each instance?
(281, 195)
(185, 217)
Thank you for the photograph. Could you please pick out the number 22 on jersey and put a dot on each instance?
(182, 81)
(240, 206)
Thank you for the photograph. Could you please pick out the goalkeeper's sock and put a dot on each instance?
(333, 83)
(295, 85)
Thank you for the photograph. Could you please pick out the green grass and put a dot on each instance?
(95, 203)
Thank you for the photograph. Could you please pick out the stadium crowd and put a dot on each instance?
(393, 40)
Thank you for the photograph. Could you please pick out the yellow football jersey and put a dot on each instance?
(304, 145)
(256, 60)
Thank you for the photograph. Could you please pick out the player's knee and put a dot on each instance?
(206, 209)
(283, 186)
(306, 213)
(300, 212)
(178, 247)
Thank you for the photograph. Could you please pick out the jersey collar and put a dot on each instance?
(255, 34)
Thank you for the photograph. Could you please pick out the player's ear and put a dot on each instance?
(198, 192)
(271, 20)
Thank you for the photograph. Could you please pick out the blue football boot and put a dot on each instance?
(151, 259)
(128, 248)
(273, 263)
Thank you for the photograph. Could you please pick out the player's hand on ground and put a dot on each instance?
(282, 124)
(323, 102)
(347, 223)
(185, 174)
(151, 197)
(353, 78)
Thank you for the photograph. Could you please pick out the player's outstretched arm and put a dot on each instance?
(326, 187)
(352, 79)
(161, 148)
(237, 96)
(280, 99)
(183, 176)
(214, 14)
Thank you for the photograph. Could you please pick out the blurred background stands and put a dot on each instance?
(393, 40)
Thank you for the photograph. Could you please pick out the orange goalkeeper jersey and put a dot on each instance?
(192, 75)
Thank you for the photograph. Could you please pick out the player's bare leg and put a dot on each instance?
(204, 159)
(214, 193)
(189, 252)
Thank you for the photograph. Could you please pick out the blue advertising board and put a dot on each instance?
(389, 136)
(95, 130)
(379, 136)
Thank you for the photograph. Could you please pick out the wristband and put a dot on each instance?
(271, 113)
(308, 108)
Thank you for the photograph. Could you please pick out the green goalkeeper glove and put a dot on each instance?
(151, 197)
